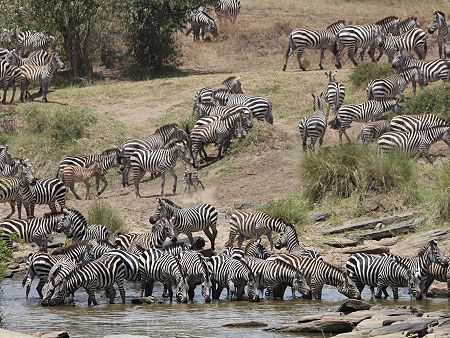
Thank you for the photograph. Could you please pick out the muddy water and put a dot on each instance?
(168, 320)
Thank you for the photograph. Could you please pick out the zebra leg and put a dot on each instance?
(426, 286)
(269, 237)
(72, 189)
(169, 289)
(105, 182)
(88, 187)
(44, 91)
(111, 294)
(322, 56)
(39, 288)
(299, 58)
(175, 179)
(191, 292)
(52, 206)
(441, 54)
(5, 90)
(137, 178)
(14, 93)
(211, 236)
(120, 286)
(351, 54)
(91, 297)
(395, 291)
(241, 240)
(13, 208)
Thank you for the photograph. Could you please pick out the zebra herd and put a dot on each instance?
(28, 63)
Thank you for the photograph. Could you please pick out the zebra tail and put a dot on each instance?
(269, 116)
(335, 123)
(305, 138)
(24, 280)
(289, 51)
(57, 173)
(369, 92)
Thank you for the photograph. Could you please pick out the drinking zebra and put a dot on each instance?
(417, 143)
(158, 161)
(318, 273)
(442, 27)
(39, 74)
(253, 225)
(335, 93)
(371, 131)
(197, 273)
(437, 272)
(44, 191)
(412, 123)
(314, 126)
(56, 276)
(30, 41)
(256, 249)
(394, 84)
(381, 272)
(130, 262)
(369, 110)
(289, 239)
(201, 23)
(202, 217)
(205, 95)
(75, 226)
(300, 39)
(10, 192)
(413, 40)
(228, 9)
(73, 173)
(191, 179)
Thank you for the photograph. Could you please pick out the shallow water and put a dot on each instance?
(170, 320)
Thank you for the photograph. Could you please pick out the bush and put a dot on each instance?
(435, 100)
(441, 194)
(365, 72)
(102, 212)
(293, 209)
(69, 125)
(5, 256)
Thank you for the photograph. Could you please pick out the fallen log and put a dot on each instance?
(398, 229)
(341, 242)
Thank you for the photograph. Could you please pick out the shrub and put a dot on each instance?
(441, 194)
(293, 209)
(365, 72)
(102, 212)
(435, 100)
(69, 125)
(5, 256)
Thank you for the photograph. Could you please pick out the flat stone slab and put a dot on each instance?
(340, 242)
(353, 305)
(12, 334)
(318, 326)
(398, 229)
(368, 249)
(246, 324)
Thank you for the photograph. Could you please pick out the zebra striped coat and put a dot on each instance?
(201, 23)
(202, 110)
(30, 41)
(314, 126)
(289, 239)
(73, 173)
(437, 272)
(5, 77)
(412, 123)
(413, 40)
(130, 262)
(191, 179)
(256, 249)
(197, 273)
(408, 24)
(228, 9)
(205, 95)
(36, 58)
(10, 192)
(335, 93)
(58, 273)
(75, 226)
(439, 24)
(371, 131)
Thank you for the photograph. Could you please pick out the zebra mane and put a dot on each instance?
(173, 143)
(426, 247)
(386, 20)
(166, 200)
(110, 151)
(180, 267)
(207, 15)
(79, 215)
(68, 248)
(230, 79)
(335, 24)
(410, 18)
(250, 243)
(440, 13)
(281, 219)
(165, 128)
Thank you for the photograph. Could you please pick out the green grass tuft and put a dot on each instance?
(294, 209)
(102, 212)
(5, 256)
(435, 100)
(441, 195)
(365, 72)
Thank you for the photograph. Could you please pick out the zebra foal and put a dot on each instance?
(372, 131)
(191, 179)
(73, 173)
(439, 24)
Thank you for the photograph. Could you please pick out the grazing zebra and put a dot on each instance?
(318, 273)
(40, 263)
(313, 126)
(10, 192)
(369, 110)
(74, 173)
(30, 41)
(234, 275)
(191, 179)
(413, 40)
(300, 39)
(394, 84)
(433, 70)
(197, 272)
(253, 225)
(228, 9)
(205, 95)
(412, 123)
(202, 217)
(34, 230)
(437, 272)
(99, 274)
(44, 191)
(39, 74)
(273, 274)
(381, 272)
(130, 262)
(417, 143)
(166, 269)
(442, 27)
(335, 93)
(158, 161)
(288, 238)
(75, 226)
(260, 106)
(408, 24)
(371, 131)
(202, 110)
(199, 23)
(256, 249)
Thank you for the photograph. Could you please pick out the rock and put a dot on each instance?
(146, 300)
(319, 316)
(8, 274)
(13, 266)
(376, 250)
(416, 326)
(397, 229)
(388, 241)
(353, 305)
(319, 326)
(11, 334)
(340, 242)
(438, 292)
(246, 324)
(125, 336)
(56, 334)
(320, 216)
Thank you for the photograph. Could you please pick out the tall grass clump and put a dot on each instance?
(365, 72)
(440, 194)
(102, 212)
(435, 100)
(294, 209)
(5, 256)
(69, 125)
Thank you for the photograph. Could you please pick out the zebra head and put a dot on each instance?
(300, 284)
(55, 62)
(74, 220)
(419, 77)
(253, 286)
(400, 57)
(256, 249)
(212, 28)
(182, 285)
(234, 84)
(25, 174)
(5, 157)
(162, 210)
(206, 282)
(438, 20)
(414, 284)
(380, 38)
(432, 253)
(246, 119)
(348, 287)
(165, 226)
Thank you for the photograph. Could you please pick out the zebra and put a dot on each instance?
(313, 126)
(205, 95)
(34, 230)
(260, 106)
(394, 84)
(437, 272)
(30, 41)
(228, 9)
(199, 23)
(253, 225)
(234, 275)
(44, 191)
(162, 230)
(318, 273)
(442, 27)
(417, 143)
(413, 123)
(202, 110)
(381, 272)
(274, 274)
(75, 226)
(158, 161)
(99, 274)
(10, 192)
(56, 276)
(5, 76)
(164, 268)
(130, 261)
(74, 173)
(369, 110)
(39, 74)
(413, 40)
(10, 169)
(433, 70)
(289, 239)
(256, 249)
(234, 252)
(191, 179)
(202, 217)
(300, 39)
(335, 93)
(408, 24)
(40, 263)
(371, 131)
(197, 272)
(6, 36)
(108, 158)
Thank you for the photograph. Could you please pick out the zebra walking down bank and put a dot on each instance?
(371, 131)
(74, 173)
(335, 93)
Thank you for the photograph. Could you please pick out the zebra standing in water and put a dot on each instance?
(44, 191)
(362, 112)
(10, 192)
(75, 226)
(413, 123)
(197, 272)
(289, 239)
(442, 27)
(335, 93)
(417, 143)
(201, 23)
(300, 39)
(158, 161)
(228, 9)
(314, 126)
(394, 84)
(253, 225)
(202, 217)
(413, 40)
(205, 95)
(437, 272)
(371, 131)
(39, 74)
